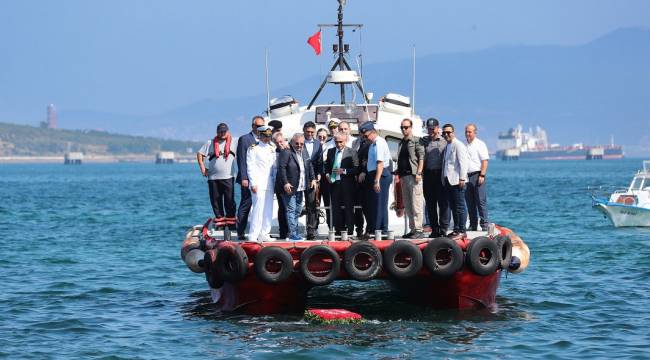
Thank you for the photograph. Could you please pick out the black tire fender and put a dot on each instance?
(232, 263)
(402, 248)
(483, 255)
(443, 257)
(210, 266)
(281, 257)
(505, 251)
(350, 261)
(327, 252)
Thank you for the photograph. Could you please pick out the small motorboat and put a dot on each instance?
(631, 206)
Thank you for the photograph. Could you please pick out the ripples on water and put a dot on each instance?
(90, 269)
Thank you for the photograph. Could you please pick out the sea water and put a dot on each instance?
(90, 268)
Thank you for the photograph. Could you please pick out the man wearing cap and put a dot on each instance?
(434, 194)
(276, 125)
(454, 174)
(476, 193)
(295, 175)
(243, 144)
(314, 151)
(261, 169)
(378, 179)
(220, 173)
(410, 162)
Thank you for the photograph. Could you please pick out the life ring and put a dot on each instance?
(443, 257)
(482, 255)
(313, 273)
(232, 263)
(273, 264)
(209, 264)
(397, 256)
(505, 251)
(362, 261)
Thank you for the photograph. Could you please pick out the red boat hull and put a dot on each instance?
(463, 290)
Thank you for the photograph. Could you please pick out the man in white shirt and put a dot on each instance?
(261, 169)
(454, 175)
(476, 192)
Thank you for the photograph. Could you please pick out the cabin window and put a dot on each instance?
(393, 144)
(637, 184)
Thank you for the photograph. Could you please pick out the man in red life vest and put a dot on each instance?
(220, 172)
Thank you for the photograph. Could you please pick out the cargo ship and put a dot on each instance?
(517, 144)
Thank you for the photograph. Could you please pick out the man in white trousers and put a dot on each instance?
(261, 167)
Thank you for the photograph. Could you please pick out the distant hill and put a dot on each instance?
(586, 93)
(21, 140)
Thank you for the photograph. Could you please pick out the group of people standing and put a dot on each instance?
(441, 179)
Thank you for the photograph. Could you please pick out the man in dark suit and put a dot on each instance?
(315, 153)
(341, 167)
(243, 144)
(281, 145)
(295, 175)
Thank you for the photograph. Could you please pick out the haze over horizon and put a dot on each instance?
(143, 58)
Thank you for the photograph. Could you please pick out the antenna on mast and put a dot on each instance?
(340, 49)
(266, 72)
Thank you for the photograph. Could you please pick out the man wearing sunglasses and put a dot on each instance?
(261, 169)
(454, 173)
(378, 179)
(410, 162)
(295, 175)
(315, 151)
(434, 195)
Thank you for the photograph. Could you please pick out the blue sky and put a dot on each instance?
(146, 57)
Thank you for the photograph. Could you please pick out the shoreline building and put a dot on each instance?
(50, 122)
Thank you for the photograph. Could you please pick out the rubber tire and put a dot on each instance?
(476, 246)
(505, 251)
(232, 263)
(399, 247)
(209, 264)
(362, 248)
(441, 244)
(320, 250)
(273, 252)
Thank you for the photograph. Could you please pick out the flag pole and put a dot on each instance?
(413, 90)
(266, 72)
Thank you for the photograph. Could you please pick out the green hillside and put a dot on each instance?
(22, 140)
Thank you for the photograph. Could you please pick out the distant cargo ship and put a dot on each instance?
(518, 144)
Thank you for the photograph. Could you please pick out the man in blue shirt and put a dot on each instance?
(378, 179)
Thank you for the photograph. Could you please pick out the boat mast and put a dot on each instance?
(339, 33)
(340, 50)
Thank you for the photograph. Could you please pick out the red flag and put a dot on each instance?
(314, 41)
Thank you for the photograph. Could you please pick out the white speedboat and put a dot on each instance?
(631, 206)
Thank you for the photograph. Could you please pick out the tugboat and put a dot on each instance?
(631, 206)
(274, 276)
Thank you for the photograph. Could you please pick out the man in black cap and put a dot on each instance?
(276, 125)
(434, 194)
(220, 173)
(378, 179)
(243, 144)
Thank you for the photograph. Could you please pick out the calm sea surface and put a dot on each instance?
(90, 268)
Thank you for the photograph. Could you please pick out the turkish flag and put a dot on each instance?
(314, 41)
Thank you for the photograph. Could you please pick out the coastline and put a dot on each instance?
(91, 159)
